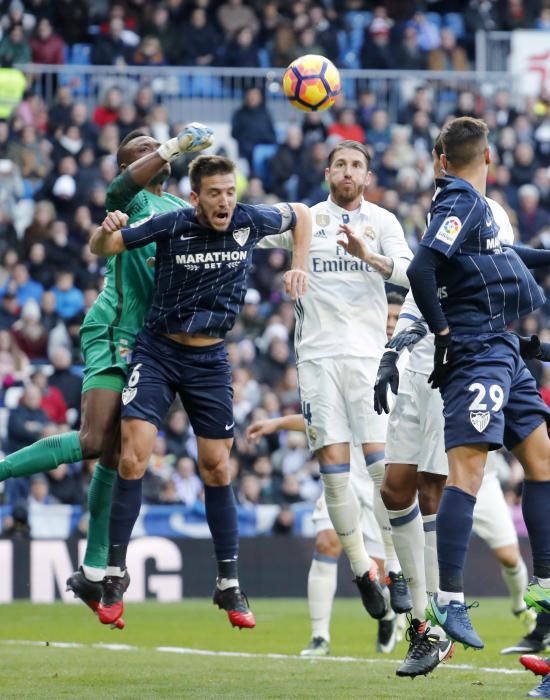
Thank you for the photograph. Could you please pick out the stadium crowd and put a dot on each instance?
(56, 161)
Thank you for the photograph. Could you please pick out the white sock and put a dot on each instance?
(376, 471)
(321, 587)
(224, 583)
(445, 597)
(408, 537)
(431, 565)
(92, 573)
(114, 571)
(345, 515)
(544, 582)
(516, 580)
(436, 629)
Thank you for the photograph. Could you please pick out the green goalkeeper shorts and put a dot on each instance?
(107, 352)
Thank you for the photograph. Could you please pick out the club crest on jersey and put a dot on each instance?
(312, 432)
(449, 230)
(241, 235)
(369, 232)
(322, 220)
(480, 420)
(128, 394)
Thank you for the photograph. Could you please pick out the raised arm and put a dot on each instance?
(296, 277)
(107, 239)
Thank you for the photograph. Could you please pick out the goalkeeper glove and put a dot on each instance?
(388, 375)
(441, 361)
(195, 137)
(408, 337)
(532, 349)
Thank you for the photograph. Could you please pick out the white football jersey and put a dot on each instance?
(344, 311)
(421, 358)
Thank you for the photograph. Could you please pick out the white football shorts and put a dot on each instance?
(415, 426)
(337, 397)
(492, 518)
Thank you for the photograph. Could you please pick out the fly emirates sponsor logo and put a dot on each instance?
(342, 262)
(212, 260)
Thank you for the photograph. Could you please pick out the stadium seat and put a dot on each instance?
(454, 21)
(265, 58)
(263, 153)
(28, 189)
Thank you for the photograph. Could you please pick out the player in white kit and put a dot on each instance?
(339, 339)
(417, 463)
(322, 576)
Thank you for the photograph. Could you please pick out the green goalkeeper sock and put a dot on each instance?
(42, 456)
(99, 505)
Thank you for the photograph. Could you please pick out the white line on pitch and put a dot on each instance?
(245, 655)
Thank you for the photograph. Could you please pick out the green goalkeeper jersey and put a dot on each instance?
(119, 311)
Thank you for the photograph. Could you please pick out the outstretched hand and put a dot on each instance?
(353, 243)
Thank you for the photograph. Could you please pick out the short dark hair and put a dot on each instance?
(395, 298)
(206, 166)
(438, 145)
(350, 144)
(121, 151)
(464, 140)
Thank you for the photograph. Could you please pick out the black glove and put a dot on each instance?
(388, 374)
(408, 336)
(441, 361)
(532, 349)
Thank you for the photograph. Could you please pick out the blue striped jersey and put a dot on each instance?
(481, 286)
(201, 274)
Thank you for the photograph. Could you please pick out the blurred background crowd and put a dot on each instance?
(57, 158)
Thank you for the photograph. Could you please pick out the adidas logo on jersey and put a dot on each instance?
(320, 233)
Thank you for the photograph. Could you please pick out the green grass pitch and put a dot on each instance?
(145, 670)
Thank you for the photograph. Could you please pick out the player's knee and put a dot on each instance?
(328, 544)
(131, 466)
(215, 472)
(395, 498)
(91, 442)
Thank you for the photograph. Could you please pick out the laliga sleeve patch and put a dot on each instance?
(449, 230)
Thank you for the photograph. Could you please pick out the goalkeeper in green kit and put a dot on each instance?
(108, 335)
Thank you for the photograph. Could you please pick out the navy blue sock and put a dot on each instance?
(454, 527)
(535, 506)
(124, 509)
(221, 515)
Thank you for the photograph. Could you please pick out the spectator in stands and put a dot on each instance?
(525, 164)
(377, 51)
(251, 124)
(282, 49)
(149, 53)
(313, 128)
(233, 15)
(29, 333)
(47, 46)
(20, 284)
(324, 32)
(345, 125)
(110, 49)
(427, 32)
(38, 229)
(14, 364)
(378, 135)
(307, 43)
(39, 491)
(70, 300)
(409, 55)
(64, 378)
(50, 317)
(11, 186)
(65, 484)
(178, 434)
(53, 404)
(14, 47)
(532, 218)
(449, 55)
(199, 40)
(166, 31)
(40, 270)
(27, 422)
(284, 165)
(242, 50)
(71, 20)
(8, 311)
(312, 187)
(516, 14)
(144, 102)
(107, 111)
(186, 481)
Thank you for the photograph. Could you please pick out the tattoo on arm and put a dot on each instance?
(382, 264)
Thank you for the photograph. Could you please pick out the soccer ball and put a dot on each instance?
(312, 83)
